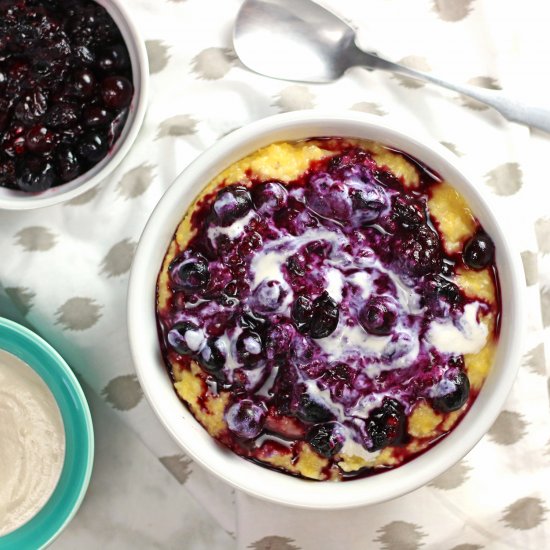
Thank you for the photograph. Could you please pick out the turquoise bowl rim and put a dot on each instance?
(49, 522)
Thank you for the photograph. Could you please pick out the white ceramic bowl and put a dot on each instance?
(18, 200)
(194, 439)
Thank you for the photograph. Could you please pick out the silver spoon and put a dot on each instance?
(302, 41)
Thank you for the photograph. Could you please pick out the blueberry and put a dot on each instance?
(93, 147)
(368, 203)
(269, 197)
(68, 164)
(96, 116)
(419, 253)
(36, 181)
(327, 439)
(251, 321)
(83, 84)
(296, 265)
(325, 316)
(379, 315)
(302, 313)
(190, 274)
(386, 424)
(14, 144)
(245, 419)
(268, 296)
(320, 248)
(311, 411)
(278, 341)
(407, 212)
(185, 337)
(114, 58)
(233, 202)
(7, 173)
(328, 198)
(452, 392)
(39, 140)
(70, 136)
(439, 288)
(479, 251)
(116, 92)
(62, 115)
(212, 355)
(447, 268)
(249, 347)
(31, 108)
(5, 114)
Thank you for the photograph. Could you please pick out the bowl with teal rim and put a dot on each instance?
(73, 482)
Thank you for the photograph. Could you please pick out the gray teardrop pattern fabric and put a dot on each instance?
(158, 54)
(36, 239)
(508, 429)
(213, 63)
(525, 513)
(452, 478)
(453, 10)
(123, 392)
(274, 543)
(294, 98)
(22, 298)
(413, 62)
(530, 267)
(136, 181)
(400, 535)
(545, 306)
(534, 360)
(177, 126)
(542, 229)
(119, 258)
(453, 148)
(505, 179)
(85, 198)
(369, 107)
(178, 465)
(78, 314)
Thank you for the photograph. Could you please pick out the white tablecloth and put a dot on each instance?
(64, 269)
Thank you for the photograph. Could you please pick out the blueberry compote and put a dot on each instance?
(65, 90)
(326, 310)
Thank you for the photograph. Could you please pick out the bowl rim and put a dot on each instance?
(48, 523)
(260, 481)
(19, 200)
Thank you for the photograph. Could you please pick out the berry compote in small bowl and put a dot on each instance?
(73, 94)
(324, 311)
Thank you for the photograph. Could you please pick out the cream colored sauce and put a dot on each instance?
(468, 335)
(32, 443)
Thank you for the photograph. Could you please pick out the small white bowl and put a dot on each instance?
(18, 200)
(193, 438)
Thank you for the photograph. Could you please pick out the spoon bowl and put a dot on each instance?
(300, 41)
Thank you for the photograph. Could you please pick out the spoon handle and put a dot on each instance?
(512, 109)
